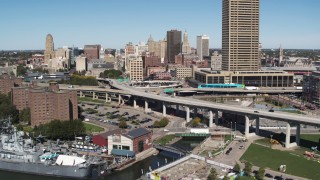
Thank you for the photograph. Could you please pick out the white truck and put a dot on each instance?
(251, 88)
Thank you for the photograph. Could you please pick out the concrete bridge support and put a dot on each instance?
(257, 125)
(135, 103)
(287, 145)
(164, 110)
(94, 96)
(216, 120)
(82, 94)
(146, 106)
(187, 114)
(120, 100)
(298, 134)
(246, 124)
(107, 98)
(210, 119)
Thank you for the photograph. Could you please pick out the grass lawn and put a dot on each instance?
(90, 128)
(311, 137)
(165, 139)
(296, 165)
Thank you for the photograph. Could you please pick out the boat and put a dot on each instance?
(18, 154)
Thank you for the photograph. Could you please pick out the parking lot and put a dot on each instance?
(109, 116)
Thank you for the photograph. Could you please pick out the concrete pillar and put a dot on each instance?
(257, 125)
(216, 120)
(246, 131)
(298, 134)
(119, 99)
(288, 135)
(210, 119)
(94, 96)
(81, 94)
(164, 110)
(187, 114)
(174, 94)
(107, 97)
(134, 103)
(146, 106)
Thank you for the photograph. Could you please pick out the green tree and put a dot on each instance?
(25, 115)
(260, 173)
(196, 121)
(21, 70)
(225, 177)
(237, 168)
(247, 169)
(123, 124)
(213, 174)
(111, 73)
(7, 109)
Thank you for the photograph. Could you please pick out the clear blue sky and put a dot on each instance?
(112, 23)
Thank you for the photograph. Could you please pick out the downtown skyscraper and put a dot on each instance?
(174, 45)
(240, 35)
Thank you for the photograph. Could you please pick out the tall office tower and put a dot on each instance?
(173, 45)
(280, 54)
(186, 49)
(202, 46)
(240, 35)
(49, 51)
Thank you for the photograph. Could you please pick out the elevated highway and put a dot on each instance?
(213, 108)
(238, 90)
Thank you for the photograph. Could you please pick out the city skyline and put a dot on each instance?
(291, 23)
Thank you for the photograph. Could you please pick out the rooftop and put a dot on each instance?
(137, 132)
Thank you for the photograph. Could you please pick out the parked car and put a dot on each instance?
(268, 175)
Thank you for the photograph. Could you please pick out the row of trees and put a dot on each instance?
(80, 80)
(111, 73)
(162, 123)
(56, 129)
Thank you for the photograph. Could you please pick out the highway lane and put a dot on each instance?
(303, 119)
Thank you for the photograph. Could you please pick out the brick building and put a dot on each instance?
(102, 139)
(141, 138)
(7, 82)
(46, 104)
(131, 143)
(92, 51)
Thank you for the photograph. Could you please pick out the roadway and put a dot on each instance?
(239, 90)
(221, 107)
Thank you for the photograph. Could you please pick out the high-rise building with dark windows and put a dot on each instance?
(173, 45)
(240, 35)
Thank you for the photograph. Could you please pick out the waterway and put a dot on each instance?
(131, 173)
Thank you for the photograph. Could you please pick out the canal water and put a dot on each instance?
(131, 173)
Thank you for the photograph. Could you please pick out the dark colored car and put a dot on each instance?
(278, 178)
(268, 175)
(256, 111)
(271, 110)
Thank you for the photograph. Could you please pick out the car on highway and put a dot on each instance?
(271, 110)
(256, 111)
(166, 130)
(241, 147)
